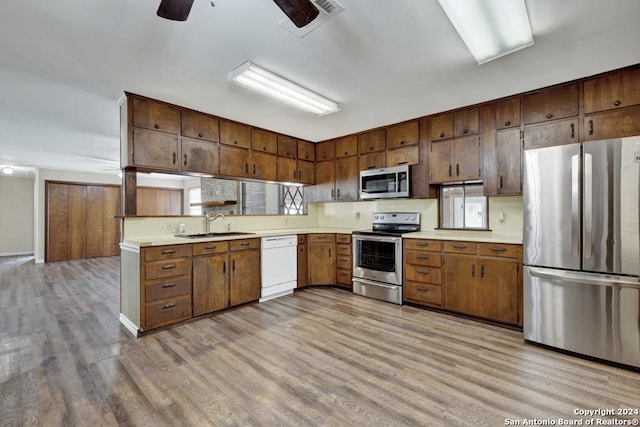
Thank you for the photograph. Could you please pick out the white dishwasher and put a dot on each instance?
(279, 266)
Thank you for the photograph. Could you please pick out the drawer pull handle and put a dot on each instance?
(168, 285)
(423, 257)
(497, 249)
(481, 270)
(245, 244)
(423, 271)
(460, 246)
(168, 251)
(590, 127)
(422, 244)
(211, 247)
(473, 270)
(168, 266)
(168, 305)
(321, 237)
(421, 289)
(573, 131)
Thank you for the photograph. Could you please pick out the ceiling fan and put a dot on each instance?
(300, 12)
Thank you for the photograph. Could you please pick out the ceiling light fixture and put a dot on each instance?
(266, 83)
(7, 170)
(490, 28)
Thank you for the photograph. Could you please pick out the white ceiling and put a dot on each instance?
(64, 63)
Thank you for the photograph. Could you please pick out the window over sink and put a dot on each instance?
(463, 207)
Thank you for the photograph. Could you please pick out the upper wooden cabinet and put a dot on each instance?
(154, 150)
(263, 166)
(234, 161)
(459, 123)
(612, 124)
(200, 126)
(549, 134)
(287, 147)
(325, 150)
(346, 146)
(550, 104)
(372, 141)
(441, 127)
(264, 141)
(235, 134)
(156, 115)
(508, 113)
(306, 151)
(402, 135)
(617, 90)
(453, 160)
(508, 151)
(409, 155)
(199, 156)
(375, 160)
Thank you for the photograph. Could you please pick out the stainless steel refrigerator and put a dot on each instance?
(581, 248)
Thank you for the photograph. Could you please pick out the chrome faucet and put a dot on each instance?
(210, 217)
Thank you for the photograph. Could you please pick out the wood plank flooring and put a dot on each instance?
(322, 357)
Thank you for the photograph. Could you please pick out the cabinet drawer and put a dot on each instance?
(342, 249)
(418, 273)
(423, 245)
(161, 289)
(167, 268)
(241, 245)
(321, 237)
(461, 247)
(168, 311)
(210, 248)
(421, 293)
(343, 238)
(343, 262)
(423, 258)
(500, 250)
(343, 277)
(167, 252)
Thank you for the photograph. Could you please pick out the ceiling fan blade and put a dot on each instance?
(175, 10)
(301, 12)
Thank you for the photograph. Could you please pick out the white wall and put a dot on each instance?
(16, 215)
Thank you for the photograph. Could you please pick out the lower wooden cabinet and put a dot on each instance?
(344, 268)
(303, 274)
(244, 282)
(422, 272)
(322, 259)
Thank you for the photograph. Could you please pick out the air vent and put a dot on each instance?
(327, 8)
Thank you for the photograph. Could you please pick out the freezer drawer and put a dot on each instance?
(592, 314)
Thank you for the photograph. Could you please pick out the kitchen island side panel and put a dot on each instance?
(130, 284)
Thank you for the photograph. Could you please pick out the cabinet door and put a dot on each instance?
(372, 160)
(549, 134)
(287, 170)
(612, 124)
(325, 151)
(264, 141)
(95, 220)
(199, 156)
(402, 135)
(460, 281)
(441, 127)
(617, 90)
(347, 178)
(111, 225)
(263, 166)
(498, 290)
(440, 167)
(245, 276)
(466, 156)
(303, 277)
(156, 115)
(508, 113)
(346, 146)
(235, 134)
(372, 141)
(155, 149)
(322, 264)
(403, 156)
(234, 161)
(465, 122)
(200, 126)
(287, 147)
(210, 284)
(551, 104)
(306, 151)
(509, 161)
(57, 222)
(306, 172)
(325, 188)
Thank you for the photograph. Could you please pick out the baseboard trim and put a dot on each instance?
(19, 253)
(128, 324)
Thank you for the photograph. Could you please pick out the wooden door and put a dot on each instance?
(210, 283)
(199, 156)
(110, 224)
(324, 189)
(508, 154)
(77, 221)
(263, 166)
(466, 157)
(95, 221)
(440, 169)
(460, 281)
(234, 161)
(57, 222)
(159, 201)
(322, 264)
(303, 278)
(498, 290)
(245, 276)
(347, 178)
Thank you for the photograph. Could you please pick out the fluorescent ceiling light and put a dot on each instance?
(266, 83)
(490, 28)
(7, 170)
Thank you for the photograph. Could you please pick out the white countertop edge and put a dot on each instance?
(467, 236)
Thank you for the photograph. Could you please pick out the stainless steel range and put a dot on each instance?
(377, 255)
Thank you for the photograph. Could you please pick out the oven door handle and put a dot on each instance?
(389, 239)
(371, 282)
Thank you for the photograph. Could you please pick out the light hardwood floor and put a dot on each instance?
(322, 357)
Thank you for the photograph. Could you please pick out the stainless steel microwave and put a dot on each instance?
(385, 183)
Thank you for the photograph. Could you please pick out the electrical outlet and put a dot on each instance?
(357, 216)
(502, 218)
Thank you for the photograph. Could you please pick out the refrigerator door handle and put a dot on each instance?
(588, 204)
(587, 279)
(575, 207)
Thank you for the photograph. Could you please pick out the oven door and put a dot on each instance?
(378, 258)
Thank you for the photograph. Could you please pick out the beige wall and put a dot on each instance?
(16, 215)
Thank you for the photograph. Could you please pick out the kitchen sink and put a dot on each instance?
(213, 234)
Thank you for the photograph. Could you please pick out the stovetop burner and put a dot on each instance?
(393, 224)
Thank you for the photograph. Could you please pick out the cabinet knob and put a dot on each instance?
(402, 142)
(549, 115)
(370, 148)
(200, 134)
(465, 131)
(346, 153)
(442, 135)
(507, 123)
(617, 103)
(235, 142)
(156, 126)
(264, 148)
